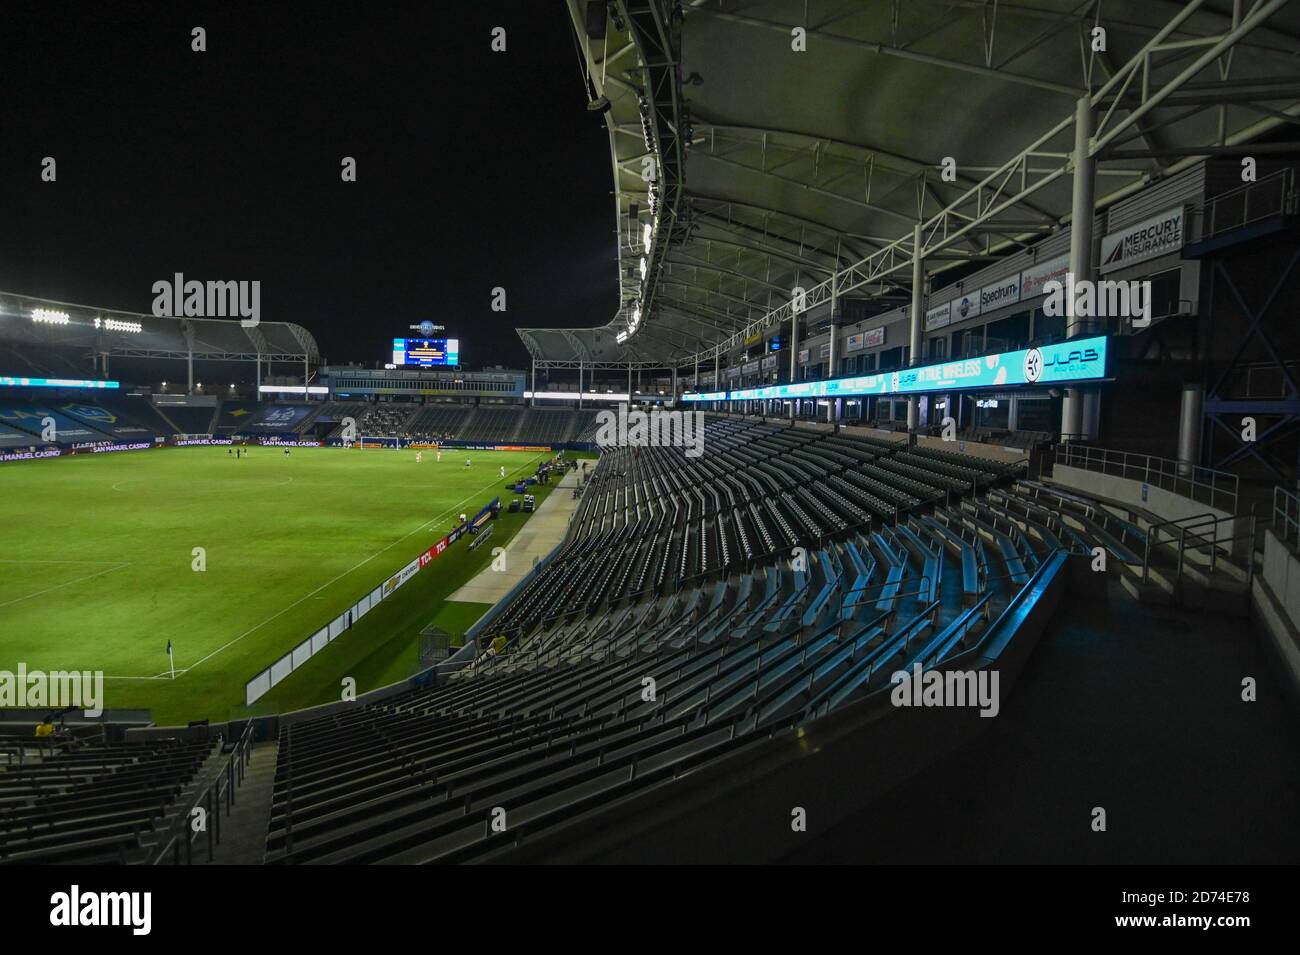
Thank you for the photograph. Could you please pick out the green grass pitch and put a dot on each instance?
(97, 566)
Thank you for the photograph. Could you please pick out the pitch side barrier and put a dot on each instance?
(418, 444)
(262, 684)
(37, 453)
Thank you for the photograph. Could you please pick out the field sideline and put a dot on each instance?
(97, 552)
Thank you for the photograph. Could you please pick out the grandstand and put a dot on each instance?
(1080, 530)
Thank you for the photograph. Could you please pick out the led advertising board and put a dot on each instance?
(1081, 359)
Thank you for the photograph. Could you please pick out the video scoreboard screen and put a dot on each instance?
(426, 352)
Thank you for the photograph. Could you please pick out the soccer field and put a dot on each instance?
(97, 558)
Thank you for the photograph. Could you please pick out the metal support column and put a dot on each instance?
(1083, 210)
(917, 317)
(717, 372)
(833, 404)
(794, 359)
(1189, 429)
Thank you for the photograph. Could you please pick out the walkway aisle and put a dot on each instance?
(537, 538)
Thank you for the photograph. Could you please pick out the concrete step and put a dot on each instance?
(1223, 564)
(243, 832)
(1220, 581)
(1148, 593)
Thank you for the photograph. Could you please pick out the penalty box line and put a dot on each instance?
(66, 583)
(181, 671)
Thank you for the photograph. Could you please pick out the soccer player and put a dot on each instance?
(419, 457)
(503, 470)
(286, 452)
(439, 456)
(467, 462)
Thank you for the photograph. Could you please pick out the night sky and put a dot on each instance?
(475, 169)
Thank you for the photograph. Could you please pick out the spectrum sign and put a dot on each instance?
(1082, 359)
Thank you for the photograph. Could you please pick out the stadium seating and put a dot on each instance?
(681, 570)
(372, 421)
(29, 420)
(437, 421)
(86, 801)
(234, 416)
(186, 419)
(544, 426)
(777, 578)
(491, 424)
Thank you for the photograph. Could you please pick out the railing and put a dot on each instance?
(1286, 516)
(1218, 489)
(177, 846)
(1177, 529)
(1274, 195)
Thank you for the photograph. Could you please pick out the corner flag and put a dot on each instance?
(171, 661)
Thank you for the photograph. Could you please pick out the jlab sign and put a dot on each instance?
(1159, 235)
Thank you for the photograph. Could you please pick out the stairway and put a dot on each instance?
(243, 832)
(149, 841)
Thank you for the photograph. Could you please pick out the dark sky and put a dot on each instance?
(475, 169)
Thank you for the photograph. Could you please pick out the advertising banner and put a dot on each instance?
(1075, 360)
(938, 316)
(1148, 239)
(1039, 274)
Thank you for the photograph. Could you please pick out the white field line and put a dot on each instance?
(26, 560)
(66, 583)
(180, 671)
(216, 488)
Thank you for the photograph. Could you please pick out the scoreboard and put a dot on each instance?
(426, 352)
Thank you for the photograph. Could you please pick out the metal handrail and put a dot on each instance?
(1276, 201)
(177, 847)
(1196, 520)
(1286, 515)
(1199, 542)
(1218, 489)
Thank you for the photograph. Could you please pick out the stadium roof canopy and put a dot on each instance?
(104, 331)
(776, 168)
